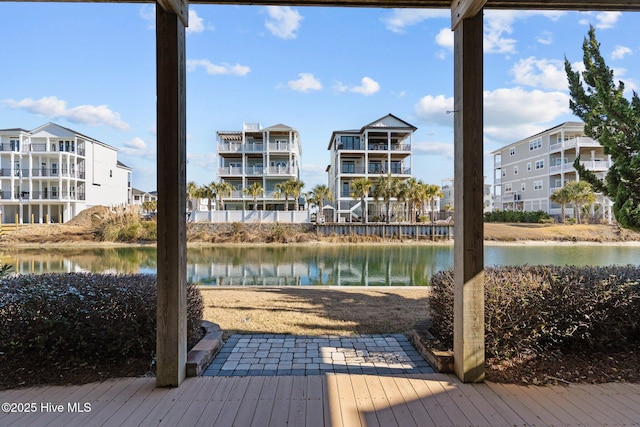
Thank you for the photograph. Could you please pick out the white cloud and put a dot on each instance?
(207, 161)
(368, 87)
(620, 52)
(513, 113)
(283, 21)
(402, 18)
(509, 113)
(148, 13)
(433, 110)
(498, 24)
(196, 25)
(541, 73)
(214, 70)
(136, 143)
(545, 38)
(604, 20)
(54, 108)
(136, 147)
(305, 83)
(443, 149)
(445, 38)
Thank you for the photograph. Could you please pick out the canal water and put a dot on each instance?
(317, 265)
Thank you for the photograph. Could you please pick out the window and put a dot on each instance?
(512, 151)
(523, 187)
(110, 173)
(375, 167)
(350, 142)
(15, 144)
(537, 185)
(535, 144)
(345, 189)
(504, 173)
(348, 167)
(515, 170)
(529, 166)
(539, 164)
(507, 188)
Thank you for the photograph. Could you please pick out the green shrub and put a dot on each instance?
(517, 216)
(549, 308)
(74, 319)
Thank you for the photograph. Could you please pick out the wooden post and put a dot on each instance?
(468, 346)
(171, 333)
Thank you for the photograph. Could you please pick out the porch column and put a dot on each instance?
(171, 346)
(468, 346)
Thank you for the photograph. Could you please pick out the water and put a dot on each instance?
(318, 265)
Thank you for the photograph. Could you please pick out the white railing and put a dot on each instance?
(284, 217)
(230, 170)
(281, 170)
(280, 146)
(581, 141)
(591, 165)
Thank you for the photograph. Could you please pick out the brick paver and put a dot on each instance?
(270, 354)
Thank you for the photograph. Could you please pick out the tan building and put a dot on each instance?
(376, 149)
(527, 172)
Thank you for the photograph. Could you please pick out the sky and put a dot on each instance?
(91, 68)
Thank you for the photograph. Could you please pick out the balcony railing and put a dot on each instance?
(591, 165)
(352, 169)
(281, 170)
(581, 141)
(230, 170)
(42, 195)
(280, 146)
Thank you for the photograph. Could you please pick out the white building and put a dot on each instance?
(376, 149)
(52, 173)
(139, 197)
(447, 202)
(527, 172)
(268, 156)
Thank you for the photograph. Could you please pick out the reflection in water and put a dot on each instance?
(352, 265)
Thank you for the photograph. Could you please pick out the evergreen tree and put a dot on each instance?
(614, 121)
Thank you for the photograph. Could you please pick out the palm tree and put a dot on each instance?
(386, 188)
(319, 194)
(360, 190)
(222, 189)
(580, 194)
(432, 192)
(191, 193)
(206, 192)
(296, 187)
(561, 197)
(254, 190)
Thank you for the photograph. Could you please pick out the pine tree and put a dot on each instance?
(614, 121)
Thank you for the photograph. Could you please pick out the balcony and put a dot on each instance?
(581, 141)
(591, 165)
(230, 170)
(282, 170)
(229, 147)
(281, 146)
(350, 170)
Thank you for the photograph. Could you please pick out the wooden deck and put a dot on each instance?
(325, 400)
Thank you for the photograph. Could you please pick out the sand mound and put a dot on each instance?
(89, 217)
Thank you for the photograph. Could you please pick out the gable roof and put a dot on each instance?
(55, 130)
(385, 122)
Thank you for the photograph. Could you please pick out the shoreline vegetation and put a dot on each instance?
(101, 227)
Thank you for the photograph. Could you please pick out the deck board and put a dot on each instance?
(330, 400)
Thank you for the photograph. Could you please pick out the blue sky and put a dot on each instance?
(91, 67)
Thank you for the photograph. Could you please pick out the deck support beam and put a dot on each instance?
(171, 335)
(468, 339)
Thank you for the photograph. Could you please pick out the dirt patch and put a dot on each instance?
(598, 233)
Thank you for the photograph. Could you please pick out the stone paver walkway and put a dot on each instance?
(269, 354)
